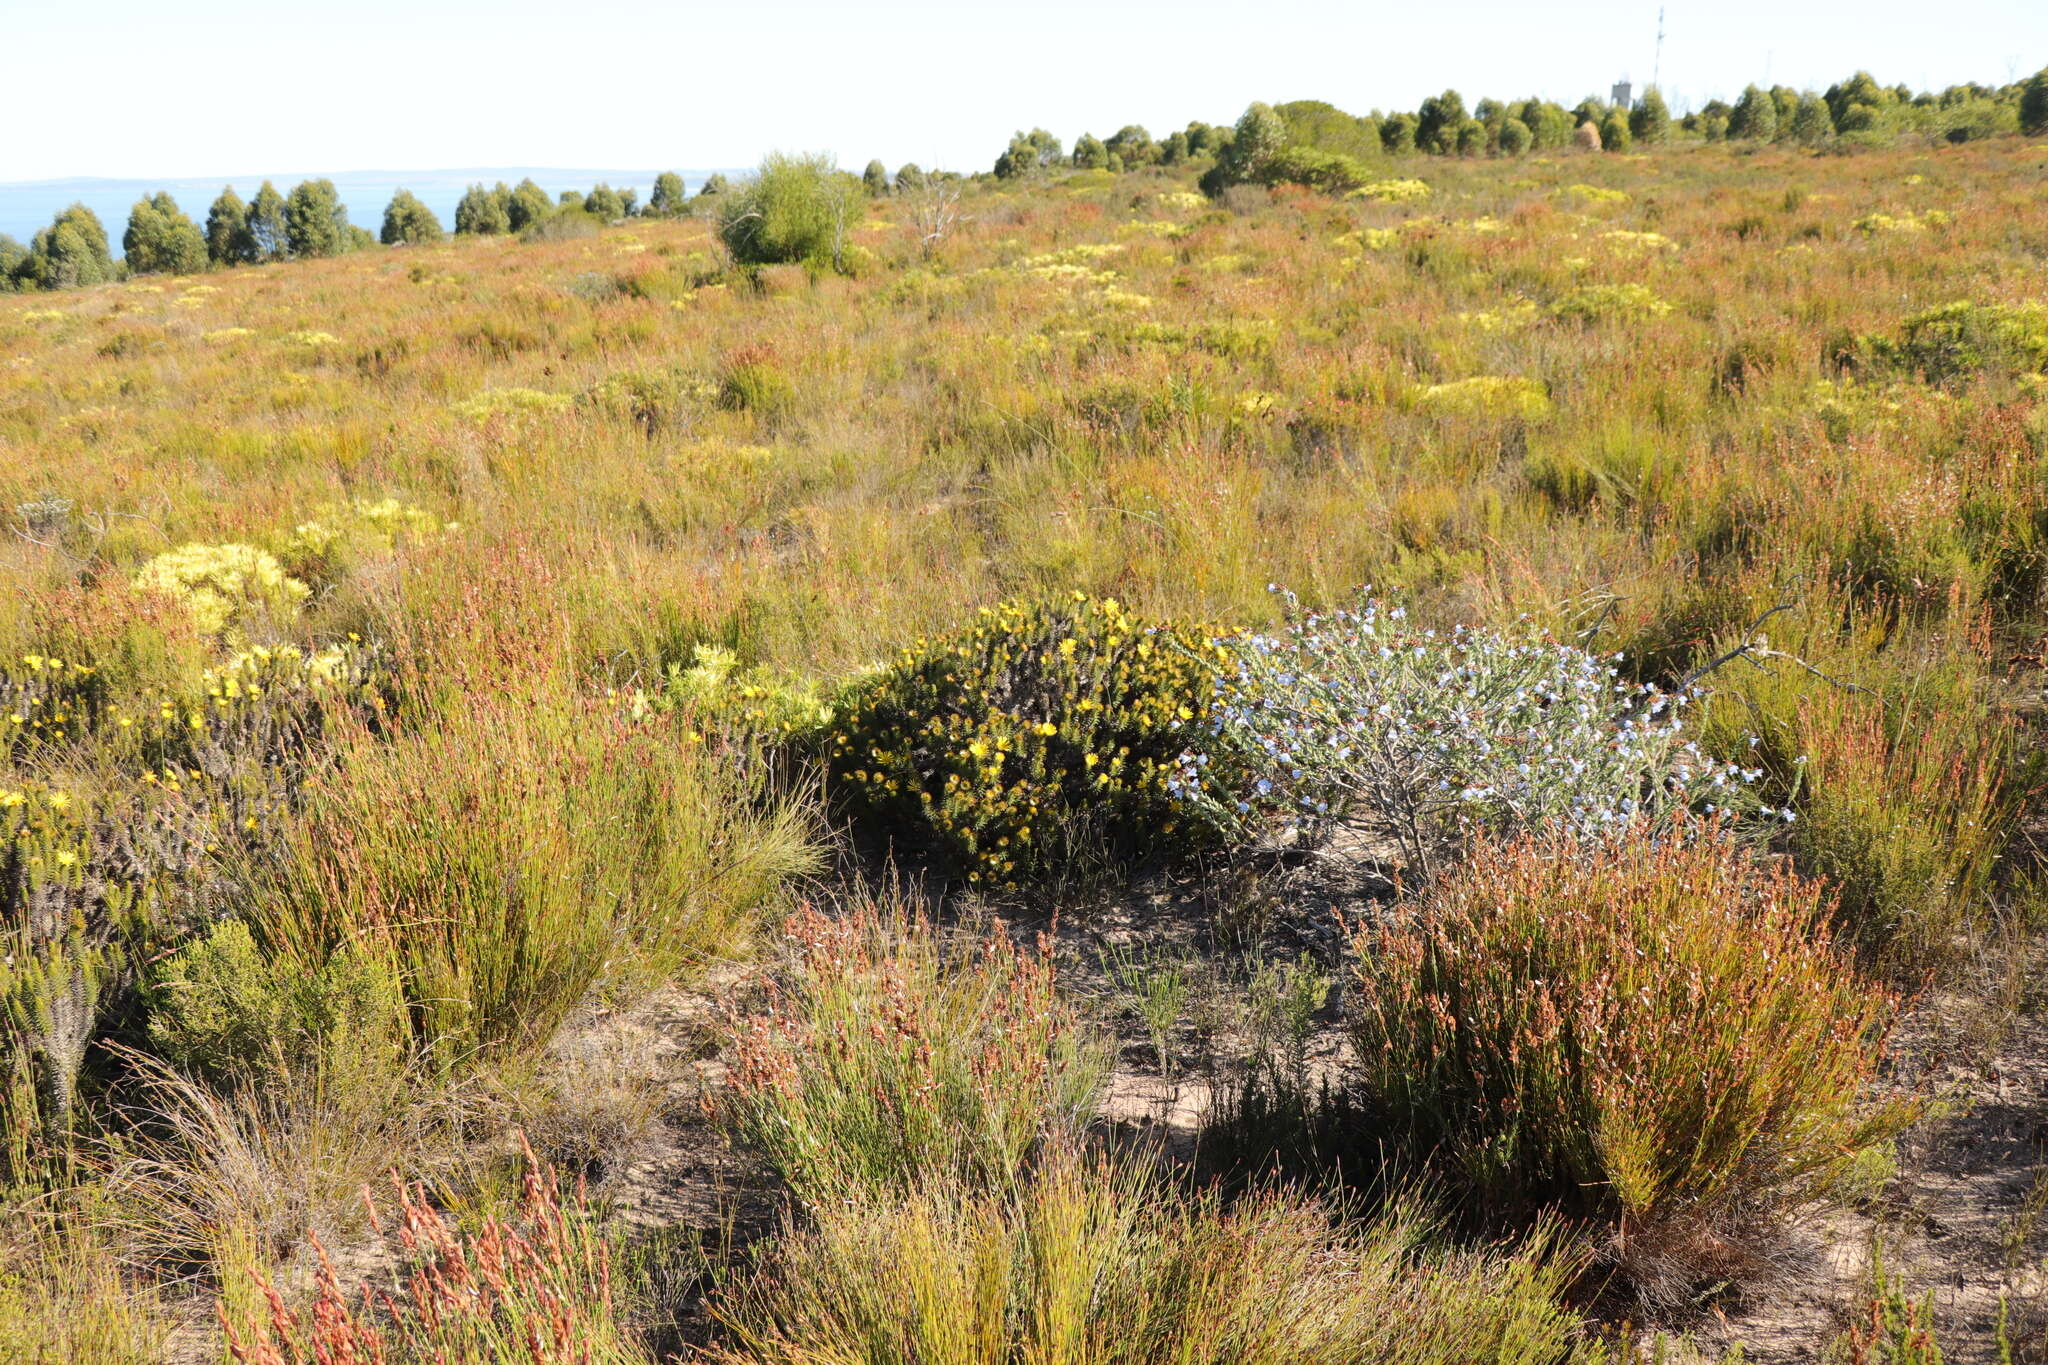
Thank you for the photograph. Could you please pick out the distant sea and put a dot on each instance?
(28, 205)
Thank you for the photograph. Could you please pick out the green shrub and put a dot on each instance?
(221, 1009)
(1037, 735)
(888, 1057)
(514, 851)
(1958, 341)
(795, 209)
(1330, 172)
(1594, 303)
(751, 381)
(1906, 796)
(1656, 1033)
(64, 1299)
(1096, 1262)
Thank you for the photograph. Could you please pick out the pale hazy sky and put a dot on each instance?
(201, 87)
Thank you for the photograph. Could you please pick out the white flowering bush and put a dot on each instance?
(1427, 737)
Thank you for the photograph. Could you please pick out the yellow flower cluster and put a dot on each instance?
(1371, 239)
(1605, 302)
(719, 694)
(313, 546)
(223, 585)
(1392, 191)
(42, 826)
(49, 700)
(1625, 240)
(1876, 224)
(1487, 395)
(1587, 196)
(514, 402)
(1036, 730)
(46, 699)
(1514, 317)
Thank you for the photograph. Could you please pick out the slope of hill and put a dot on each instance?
(586, 696)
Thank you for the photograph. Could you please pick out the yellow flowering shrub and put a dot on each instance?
(263, 699)
(1371, 239)
(720, 694)
(317, 552)
(1123, 300)
(1956, 341)
(1587, 196)
(82, 904)
(1513, 317)
(512, 402)
(1609, 302)
(1487, 395)
(1623, 239)
(1242, 339)
(1878, 224)
(45, 700)
(224, 586)
(1391, 191)
(1038, 734)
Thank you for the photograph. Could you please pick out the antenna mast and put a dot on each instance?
(1657, 65)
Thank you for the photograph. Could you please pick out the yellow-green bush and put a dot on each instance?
(224, 586)
(719, 693)
(1487, 395)
(1609, 303)
(318, 552)
(1037, 735)
(513, 402)
(221, 1009)
(1392, 191)
(1958, 340)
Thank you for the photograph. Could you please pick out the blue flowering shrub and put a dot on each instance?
(1037, 735)
(1426, 737)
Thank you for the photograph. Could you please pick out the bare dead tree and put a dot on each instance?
(934, 205)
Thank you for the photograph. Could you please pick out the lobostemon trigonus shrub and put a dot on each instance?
(1426, 737)
(1655, 1032)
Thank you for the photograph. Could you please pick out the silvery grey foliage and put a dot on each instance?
(1426, 737)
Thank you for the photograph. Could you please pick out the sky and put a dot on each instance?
(142, 88)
